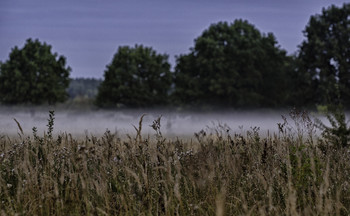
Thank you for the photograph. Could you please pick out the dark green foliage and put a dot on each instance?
(232, 65)
(305, 171)
(301, 89)
(50, 123)
(33, 75)
(338, 133)
(136, 77)
(83, 87)
(324, 57)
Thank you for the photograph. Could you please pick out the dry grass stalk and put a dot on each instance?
(217, 173)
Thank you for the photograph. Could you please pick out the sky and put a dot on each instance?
(88, 33)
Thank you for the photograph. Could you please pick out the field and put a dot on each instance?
(293, 171)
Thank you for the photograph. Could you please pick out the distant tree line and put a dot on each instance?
(230, 65)
(83, 88)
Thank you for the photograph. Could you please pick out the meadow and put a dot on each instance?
(291, 171)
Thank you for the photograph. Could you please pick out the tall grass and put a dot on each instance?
(215, 173)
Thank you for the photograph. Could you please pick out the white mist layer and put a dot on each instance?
(78, 122)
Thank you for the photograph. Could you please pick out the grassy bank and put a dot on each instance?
(291, 172)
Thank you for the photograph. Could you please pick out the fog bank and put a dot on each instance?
(96, 122)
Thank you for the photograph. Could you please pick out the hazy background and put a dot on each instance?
(89, 32)
(173, 124)
(78, 122)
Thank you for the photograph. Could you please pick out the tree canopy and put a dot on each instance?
(33, 75)
(232, 65)
(324, 56)
(136, 77)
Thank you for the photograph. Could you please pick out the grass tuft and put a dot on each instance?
(216, 173)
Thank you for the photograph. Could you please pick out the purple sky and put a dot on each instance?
(89, 32)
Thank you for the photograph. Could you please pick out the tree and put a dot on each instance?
(136, 77)
(325, 55)
(300, 90)
(232, 65)
(33, 75)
